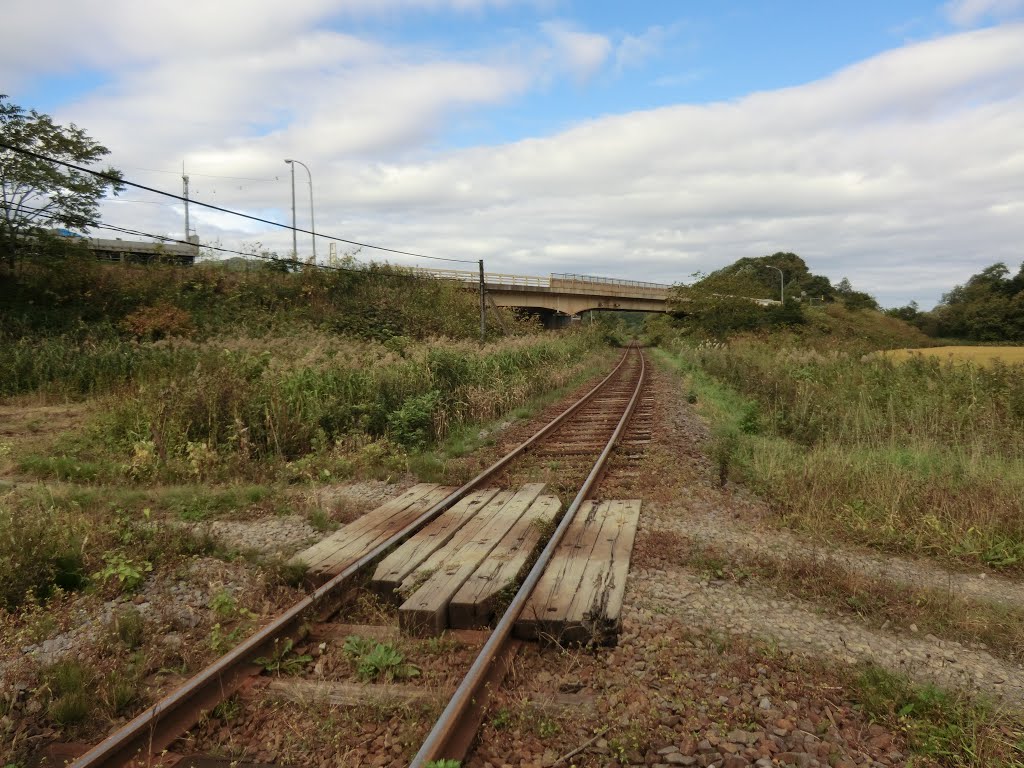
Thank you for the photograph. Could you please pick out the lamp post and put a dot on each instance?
(312, 220)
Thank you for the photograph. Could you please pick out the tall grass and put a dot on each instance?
(920, 457)
(73, 327)
(238, 406)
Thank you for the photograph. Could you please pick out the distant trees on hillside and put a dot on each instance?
(988, 307)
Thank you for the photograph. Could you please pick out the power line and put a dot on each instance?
(205, 175)
(115, 180)
(221, 249)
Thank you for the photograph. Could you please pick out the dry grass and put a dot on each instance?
(977, 355)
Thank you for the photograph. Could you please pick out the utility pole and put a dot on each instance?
(295, 244)
(184, 189)
(483, 308)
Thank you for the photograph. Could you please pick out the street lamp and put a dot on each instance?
(312, 220)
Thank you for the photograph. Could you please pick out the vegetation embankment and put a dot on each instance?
(919, 457)
(73, 326)
(247, 384)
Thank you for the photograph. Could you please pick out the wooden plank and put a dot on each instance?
(372, 537)
(426, 611)
(394, 568)
(340, 632)
(323, 548)
(475, 603)
(594, 616)
(345, 694)
(353, 694)
(621, 554)
(553, 594)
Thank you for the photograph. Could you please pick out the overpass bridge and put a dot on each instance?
(562, 293)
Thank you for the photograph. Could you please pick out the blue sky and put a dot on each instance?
(649, 139)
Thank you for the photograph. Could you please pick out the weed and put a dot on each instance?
(945, 726)
(221, 641)
(375, 661)
(546, 727)
(128, 627)
(223, 604)
(70, 684)
(119, 693)
(917, 457)
(228, 710)
(282, 660)
(69, 709)
(129, 573)
(321, 520)
(444, 764)
(502, 719)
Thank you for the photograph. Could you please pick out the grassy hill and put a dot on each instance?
(87, 298)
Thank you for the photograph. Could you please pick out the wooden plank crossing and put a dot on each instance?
(435, 581)
(332, 555)
(579, 597)
(475, 604)
(397, 566)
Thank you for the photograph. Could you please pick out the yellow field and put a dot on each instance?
(977, 355)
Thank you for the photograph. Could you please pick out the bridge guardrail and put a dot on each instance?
(588, 284)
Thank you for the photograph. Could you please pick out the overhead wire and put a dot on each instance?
(221, 249)
(115, 180)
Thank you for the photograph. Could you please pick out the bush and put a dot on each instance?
(39, 552)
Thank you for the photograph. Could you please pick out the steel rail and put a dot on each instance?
(160, 725)
(472, 691)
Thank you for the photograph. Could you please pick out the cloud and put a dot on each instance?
(904, 171)
(581, 53)
(901, 172)
(108, 34)
(965, 13)
(634, 50)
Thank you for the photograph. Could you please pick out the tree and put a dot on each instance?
(854, 299)
(988, 307)
(35, 193)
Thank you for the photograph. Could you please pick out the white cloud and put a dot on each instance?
(634, 50)
(904, 172)
(581, 53)
(109, 34)
(964, 13)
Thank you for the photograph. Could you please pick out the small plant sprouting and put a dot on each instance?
(444, 764)
(282, 660)
(221, 641)
(129, 573)
(224, 605)
(378, 660)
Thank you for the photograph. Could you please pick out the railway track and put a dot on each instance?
(579, 441)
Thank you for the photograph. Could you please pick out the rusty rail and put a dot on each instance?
(454, 730)
(160, 725)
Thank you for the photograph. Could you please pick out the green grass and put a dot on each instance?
(435, 466)
(73, 538)
(943, 727)
(323, 409)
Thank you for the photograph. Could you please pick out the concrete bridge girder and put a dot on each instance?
(573, 304)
